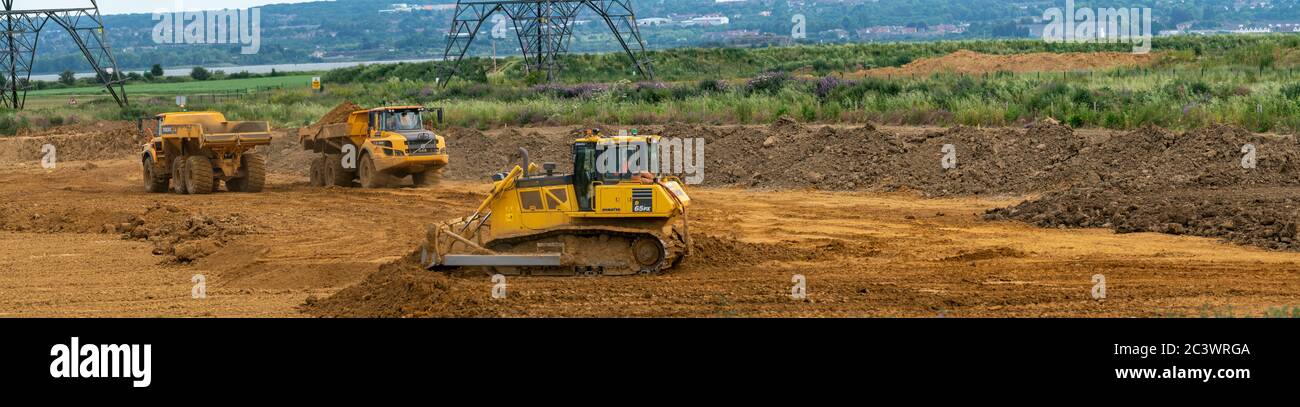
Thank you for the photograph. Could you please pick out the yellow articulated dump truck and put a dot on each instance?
(593, 221)
(374, 147)
(194, 152)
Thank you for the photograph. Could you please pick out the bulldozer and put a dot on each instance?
(194, 152)
(374, 147)
(594, 221)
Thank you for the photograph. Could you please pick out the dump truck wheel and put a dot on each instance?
(428, 178)
(317, 172)
(336, 174)
(201, 178)
(154, 180)
(180, 176)
(255, 175)
(370, 178)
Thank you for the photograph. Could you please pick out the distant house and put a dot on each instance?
(943, 29)
(708, 20)
(836, 33)
(400, 8)
(653, 21)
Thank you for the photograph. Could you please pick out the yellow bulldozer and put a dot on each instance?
(194, 152)
(616, 220)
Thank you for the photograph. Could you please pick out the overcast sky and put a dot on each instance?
(147, 6)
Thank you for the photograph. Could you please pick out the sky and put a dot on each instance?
(148, 6)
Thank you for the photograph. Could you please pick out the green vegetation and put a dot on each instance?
(353, 30)
(692, 64)
(1245, 80)
(187, 87)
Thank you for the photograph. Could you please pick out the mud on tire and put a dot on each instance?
(335, 174)
(180, 175)
(317, 172)
(254, 179)
(155, 181)
(370, 177)
(201, 177)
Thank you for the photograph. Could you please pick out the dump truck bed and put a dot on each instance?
(221, 134)
(325, 132)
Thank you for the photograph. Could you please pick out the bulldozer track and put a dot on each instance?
(672, 248)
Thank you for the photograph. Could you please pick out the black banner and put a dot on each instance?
(354, 355)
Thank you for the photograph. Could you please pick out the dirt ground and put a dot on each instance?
(84, 240)
(970, 62)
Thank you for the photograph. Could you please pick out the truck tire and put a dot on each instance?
(201, 177)
(370, 177)
(317, 172)
(154, 181)
(254, 179)
(428, 178)
(336, 175)
(180, 176)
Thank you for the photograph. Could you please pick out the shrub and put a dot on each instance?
(200, 74)
(769, 83)
(827, 85)
(711, 86)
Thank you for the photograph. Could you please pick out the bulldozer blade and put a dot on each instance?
(501, 260)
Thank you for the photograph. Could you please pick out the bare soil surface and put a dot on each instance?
(970, 62)
(83, 239)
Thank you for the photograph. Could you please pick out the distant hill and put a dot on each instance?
(357, 30)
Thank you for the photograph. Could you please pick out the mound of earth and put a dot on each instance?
(401, 289)
(476, 156)
(337, 115)
(1196, 183)
(285, 155)
(1263, 217)
(79, 142)
(786, 155)
(971, 62)
(709, 250)
(180, 235)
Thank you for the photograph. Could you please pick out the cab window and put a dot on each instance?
(403, 121)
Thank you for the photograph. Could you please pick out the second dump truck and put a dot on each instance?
(374, 145)
(194, 152)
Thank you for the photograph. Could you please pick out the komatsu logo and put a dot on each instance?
(102, 361)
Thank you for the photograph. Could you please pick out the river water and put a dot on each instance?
(261, 69)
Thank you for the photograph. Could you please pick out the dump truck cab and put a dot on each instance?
(194, 152)
(376, 143)
(397, 140)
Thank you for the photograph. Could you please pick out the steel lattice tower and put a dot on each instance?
(544, 29)
(22, 29)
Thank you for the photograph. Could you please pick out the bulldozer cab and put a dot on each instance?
(607, 161)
